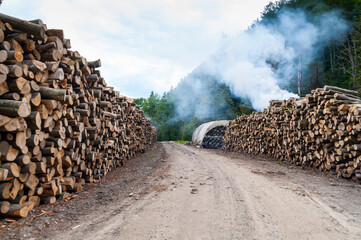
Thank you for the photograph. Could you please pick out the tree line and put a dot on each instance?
(178, 112)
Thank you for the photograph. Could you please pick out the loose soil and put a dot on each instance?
(175, 191)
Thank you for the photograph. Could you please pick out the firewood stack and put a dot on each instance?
(321, 130)
(60, 124)
(213, 139)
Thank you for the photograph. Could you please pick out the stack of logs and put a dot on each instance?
(321, 130)
(60, 124)
(213, 139)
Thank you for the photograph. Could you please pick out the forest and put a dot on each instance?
(178, 112)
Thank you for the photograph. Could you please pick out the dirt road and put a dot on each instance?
(202, 194)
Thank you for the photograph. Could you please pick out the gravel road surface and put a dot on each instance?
(190, 193)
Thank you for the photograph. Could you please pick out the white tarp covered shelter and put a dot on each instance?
(202, 130)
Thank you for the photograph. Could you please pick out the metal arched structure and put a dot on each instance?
(202, 130)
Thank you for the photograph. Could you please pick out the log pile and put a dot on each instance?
(321, 130)
(60, 124)
(213, 139)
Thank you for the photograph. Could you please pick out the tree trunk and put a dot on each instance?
(34, 29)
(14, 108)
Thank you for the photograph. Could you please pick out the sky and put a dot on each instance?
(144, 45)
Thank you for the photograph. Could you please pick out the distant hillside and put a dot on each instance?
(206, 95)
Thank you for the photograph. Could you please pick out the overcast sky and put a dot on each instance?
(144, 45)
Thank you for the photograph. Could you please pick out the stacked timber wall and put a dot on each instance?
(322, 130)
(60, 124)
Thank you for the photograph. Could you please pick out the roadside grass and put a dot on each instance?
(181, 141)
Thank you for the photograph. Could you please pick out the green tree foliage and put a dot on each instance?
(201, 98)
(139, 102)
(339, 63)
(178, 112)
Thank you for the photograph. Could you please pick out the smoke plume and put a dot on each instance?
(257, 62)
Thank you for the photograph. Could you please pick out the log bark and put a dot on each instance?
(49, 93)
(61, 125)
(17, 211)
(3, 174)
(13, 169)
(14, 108)
(37, 30)
(35, 66)
(15, 71)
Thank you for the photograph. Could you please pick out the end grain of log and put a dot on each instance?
(4, 207)
(14, 108)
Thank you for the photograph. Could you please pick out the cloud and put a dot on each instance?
(149, 44)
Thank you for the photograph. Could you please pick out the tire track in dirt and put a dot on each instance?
(203, 194)
(211, 196)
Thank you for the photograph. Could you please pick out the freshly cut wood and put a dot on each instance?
(4, 88)
(29, 168)
(95, 64)
(49, 93)
(35, 199)
(34, 120)
(20, 199)
(2, 36)
(13, 169)
(5, 45)
(52, 66)
(4, 207)
(40, 167)
(57, 75)
(5, 190)
(34, 29)
(20, 141)
(19, 85)
(23, 177)
(35, 99)
(11, 96)
(56, 32)
(14, 108)
(3, 78)
(35, 66)
(58, 41)
(15, 71)
(32, 182)
(11, 154)
(3, 174)
(14, 125)
(19, 37)
(45, 47)
(22, 160)
(321, 130)
(51, 55)
(3, 54)
(4, 70)
(14, 57)
(49, 104)
(61, 125)
(17, 211)
(48, 199)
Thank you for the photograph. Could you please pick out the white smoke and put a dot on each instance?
(244, 61)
